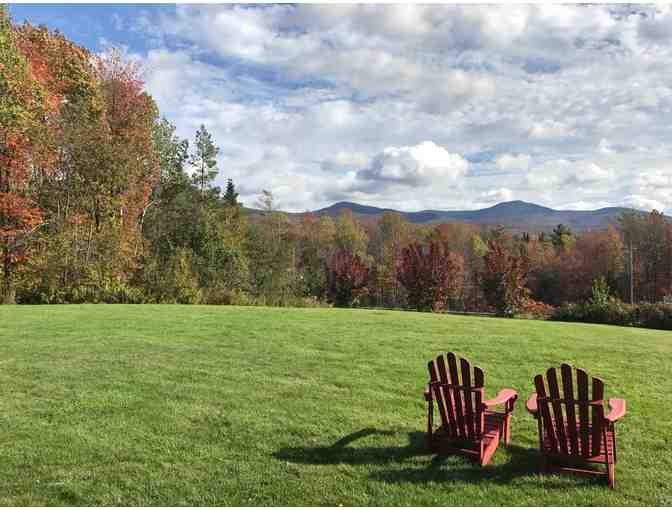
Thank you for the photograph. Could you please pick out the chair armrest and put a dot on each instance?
(502, 397)
(531, 404)
(428, 394)
(616, 409)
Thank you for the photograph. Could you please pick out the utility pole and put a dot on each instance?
(632, 285)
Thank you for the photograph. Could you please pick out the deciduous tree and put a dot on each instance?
(347, 278)
(430, 275)
(504, 278)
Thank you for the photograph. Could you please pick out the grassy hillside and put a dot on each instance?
(180, 405)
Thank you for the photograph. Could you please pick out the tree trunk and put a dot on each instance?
(8, 294)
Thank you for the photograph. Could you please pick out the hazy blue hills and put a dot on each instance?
(516, 215)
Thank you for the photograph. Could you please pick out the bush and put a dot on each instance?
(110, 292)
(220, 296)
(609, 312)
(654, 315)
(535, 310)
(643, 315)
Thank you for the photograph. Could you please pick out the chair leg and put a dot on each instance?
(507, 430)
(611, 475)
(430, 426)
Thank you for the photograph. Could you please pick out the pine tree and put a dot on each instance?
(203, 159)
(231, 196)
(562, 237)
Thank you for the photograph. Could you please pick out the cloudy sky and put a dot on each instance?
(410, 106)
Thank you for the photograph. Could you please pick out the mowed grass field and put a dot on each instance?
(198, 405)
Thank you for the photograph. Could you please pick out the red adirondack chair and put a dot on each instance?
(572, 426)
(469, 425)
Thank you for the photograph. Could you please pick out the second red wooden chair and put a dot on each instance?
(573, 427)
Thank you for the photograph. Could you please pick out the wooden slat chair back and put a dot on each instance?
(569, 406)
(468, 424)
(458, 391)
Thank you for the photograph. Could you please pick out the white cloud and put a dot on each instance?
(418, 165)
(551, 129)
(561, 172)
(497, 195)
(547, 103)
(583, 205)
(644, 203)
(509, 162)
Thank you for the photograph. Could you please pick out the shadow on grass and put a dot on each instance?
(341, 453)
(523, 462)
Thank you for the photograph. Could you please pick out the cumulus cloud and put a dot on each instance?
(415, 166)
(561, 172)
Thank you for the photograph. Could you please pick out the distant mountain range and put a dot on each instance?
(516, 215)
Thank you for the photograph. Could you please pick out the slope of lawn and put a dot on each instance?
(197, 405)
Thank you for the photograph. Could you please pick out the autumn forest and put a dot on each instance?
(101, 201)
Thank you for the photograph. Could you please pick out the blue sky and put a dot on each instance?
(409, 106)
(88, 25)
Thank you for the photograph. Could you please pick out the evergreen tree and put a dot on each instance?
(562, 237)
(203, 160)
(231, 196)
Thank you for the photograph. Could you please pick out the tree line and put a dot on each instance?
(101, 201)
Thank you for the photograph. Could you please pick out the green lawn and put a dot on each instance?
(198, 405)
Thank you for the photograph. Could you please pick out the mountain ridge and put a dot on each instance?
(515, 214)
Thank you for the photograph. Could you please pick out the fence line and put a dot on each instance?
(445, 312)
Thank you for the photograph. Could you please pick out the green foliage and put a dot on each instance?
(653, 315)
(110, 292)
(173, 153)
(231, 195)
(270, 247)
(314, 244)
(203, 160)
(186, 290)
(562, 237)
(350, 235)
(612, 311)
(600, 296)
(478, 246)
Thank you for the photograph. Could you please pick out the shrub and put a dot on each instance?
(221, 296)
(600, 290)
(654, 315)
(110, 292)
(643, 315)
(610, 312)
(535, 309)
